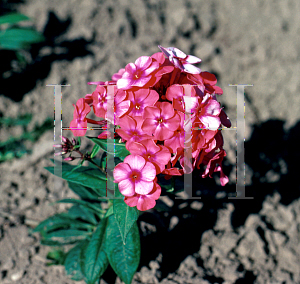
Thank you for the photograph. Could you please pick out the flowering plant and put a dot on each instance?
(155, 100)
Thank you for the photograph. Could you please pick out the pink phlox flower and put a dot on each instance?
(100, 101)
(207, 111)
(131, 129)
(122, 105)
(144, 202)
(212, 166)
(178, 138)
(135, 175)
(176, 93)
(79, 117)
(181, 60)
(161, 120)
(138, 74)
(141, 99)
(158, 155)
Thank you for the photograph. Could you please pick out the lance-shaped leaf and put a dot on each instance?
(124, 259)
(80, 212)
(73, 261)
(120, 149)
(61, 221)
(125, 215)
(64, 237)
(90, 206)
(86, 176)
(13, 18)
(96, 260)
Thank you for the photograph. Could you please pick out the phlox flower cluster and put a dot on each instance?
(149, 107)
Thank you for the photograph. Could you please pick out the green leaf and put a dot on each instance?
(73, 262)
(120, 149)
(19, 38)
(86, 176)
(125, 215)
(124, 259)
(80, 212)
(85, 192)
(96, 260)
(95, 150)
(94, 208)
(13, 18)
(63, 237)
(61, 221)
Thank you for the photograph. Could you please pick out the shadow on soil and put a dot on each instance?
(270, 148)
(39, 65)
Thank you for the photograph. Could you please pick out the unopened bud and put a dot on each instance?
(64, 139)
(57, 145)
(69, 159)
(73, 141)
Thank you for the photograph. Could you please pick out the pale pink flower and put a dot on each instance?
(138, 74)
(181, 60)
(135, 175)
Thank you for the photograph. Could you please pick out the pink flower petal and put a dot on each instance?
(121, 172)
(124, 84)
(136, 162)
(143, 62)
(126, 187)
(141, 82)
(145, 203)
(192, 59)
(131, 200)
(143, 187)
(177, 52)
(148, 172)
(130, 68)
(191, 69)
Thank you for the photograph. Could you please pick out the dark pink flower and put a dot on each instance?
(181, 60)
(79, 118)
(131, 129)
(138, 74)
(141, 99)
(177, 140)
(144, 202)
(207, 111)
(161, 120)
(158, 155)
(212, 166)
(100, 101)
(135, 175)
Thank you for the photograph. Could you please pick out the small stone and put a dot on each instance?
(17, 276)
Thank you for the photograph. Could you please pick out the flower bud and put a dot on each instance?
(69, 159)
